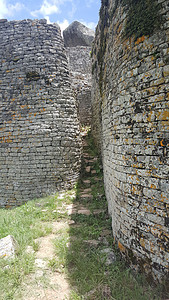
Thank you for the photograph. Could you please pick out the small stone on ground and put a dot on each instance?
(98, 211)
(40, 263)
(86, 212)
(93, 172)
(86, 197)
(30, 250)
(88, 169)
(87, 183)
(94, 243)
(8, 247)
(111, 258)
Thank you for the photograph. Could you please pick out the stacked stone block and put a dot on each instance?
(39, 129)
(80, 72)
(131, 125)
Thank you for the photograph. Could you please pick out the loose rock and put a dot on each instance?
(8, 247)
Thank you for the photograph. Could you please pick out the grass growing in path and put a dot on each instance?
(25, 224)
(80, 247)
(85, 265)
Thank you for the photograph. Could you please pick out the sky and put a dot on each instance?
(63, 12)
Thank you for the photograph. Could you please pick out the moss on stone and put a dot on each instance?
(143, 17)
(32, 76)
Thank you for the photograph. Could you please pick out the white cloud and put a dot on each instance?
(89, 3)
(3, 9)
(73, 10)
(7, 9)
(47, 8)
(63, 25)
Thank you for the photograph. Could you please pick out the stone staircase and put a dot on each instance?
(91, 174)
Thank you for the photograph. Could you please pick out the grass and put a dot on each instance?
(25, 224)
(82, 262)
(12, 273)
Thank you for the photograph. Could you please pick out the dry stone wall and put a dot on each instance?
(39, 129)
(79, 61)
(130, 100)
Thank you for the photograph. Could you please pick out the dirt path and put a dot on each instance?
(52, 277)
(45, 284)
(74, 256)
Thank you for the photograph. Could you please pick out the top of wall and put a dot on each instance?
(28, 22)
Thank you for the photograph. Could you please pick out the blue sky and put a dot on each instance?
(63, 12)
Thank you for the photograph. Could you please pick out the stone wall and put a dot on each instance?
(80, 73)
(39, 129)
(131, 125)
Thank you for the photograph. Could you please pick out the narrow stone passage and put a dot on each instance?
(70, 251)
(50, 283)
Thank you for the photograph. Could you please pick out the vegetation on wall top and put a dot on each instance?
(143, 17)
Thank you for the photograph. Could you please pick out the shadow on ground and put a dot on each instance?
(66, 247)
(94, 267)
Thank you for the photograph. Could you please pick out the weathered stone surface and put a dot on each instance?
(30, 250)
(77, 34)
(8, 247)
(93, 172)
(84, 211)
(3, 20)
(92, 243)
(39, 130)
(130, 125)
(87, 197)
(41, 263)
(78, 38)
(87, 183)
(98, 211)
(88, 169)
(106, 232)
(89, 190)
(79, 62)
(111, 258)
